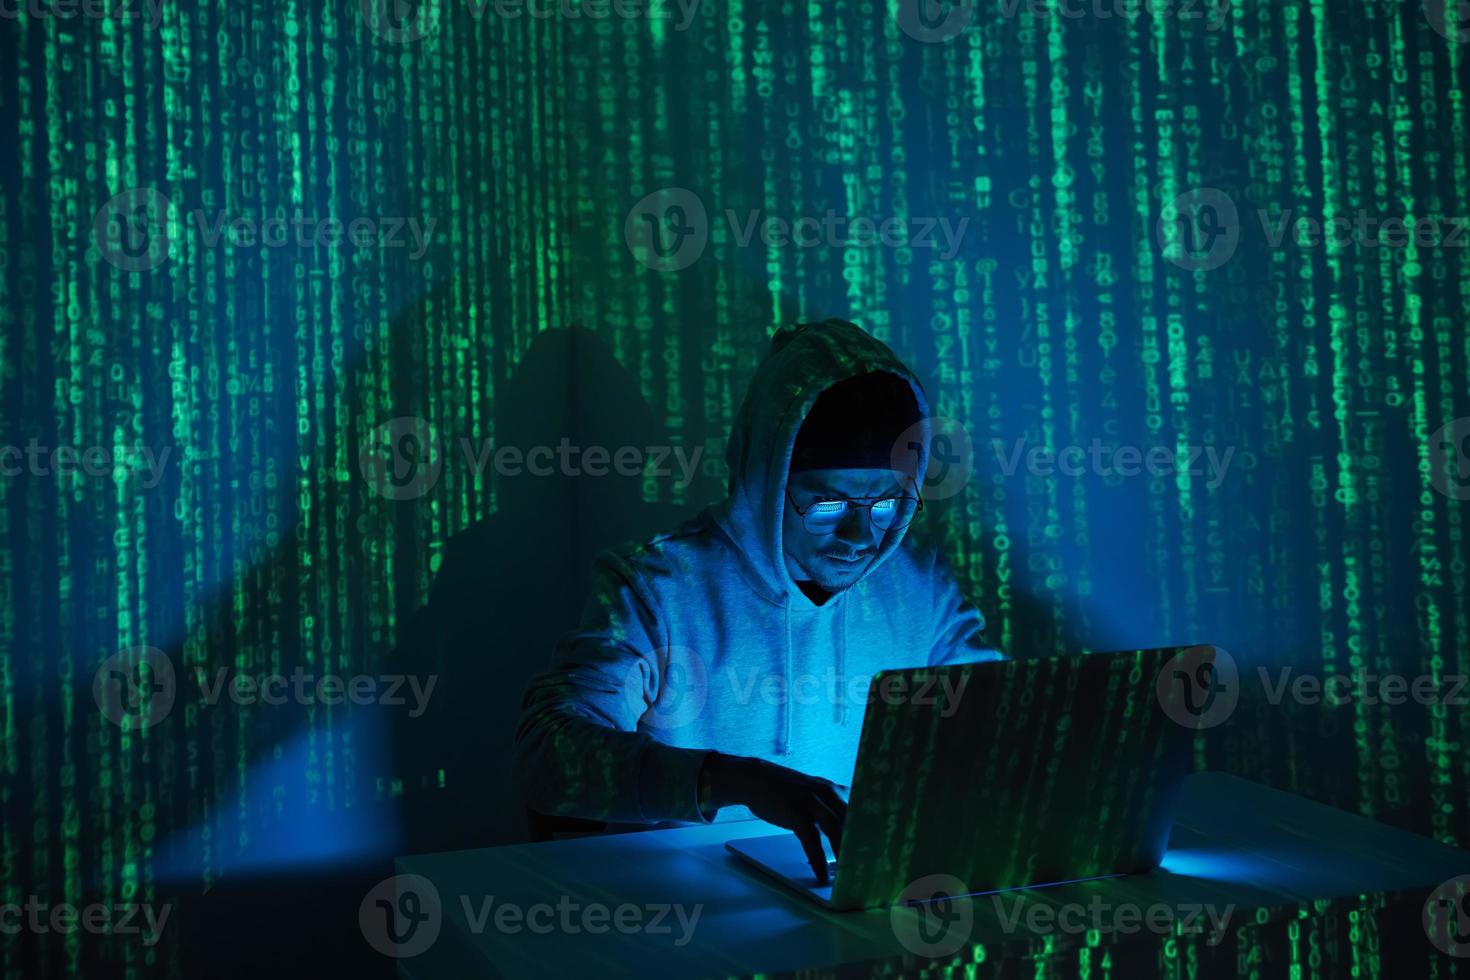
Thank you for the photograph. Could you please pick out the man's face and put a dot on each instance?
(837, 559)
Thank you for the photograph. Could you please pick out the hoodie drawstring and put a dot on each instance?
(786, 714)
(842, 666)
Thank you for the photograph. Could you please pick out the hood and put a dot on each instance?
(803, 361)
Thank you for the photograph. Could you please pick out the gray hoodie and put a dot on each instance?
(698, 639)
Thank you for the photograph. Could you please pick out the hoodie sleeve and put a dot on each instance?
(959, 628)
(578, 749)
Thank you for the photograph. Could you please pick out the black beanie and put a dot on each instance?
(855, 423)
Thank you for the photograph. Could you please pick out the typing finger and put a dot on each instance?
(811, 842)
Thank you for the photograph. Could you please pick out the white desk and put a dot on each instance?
(1235, 843)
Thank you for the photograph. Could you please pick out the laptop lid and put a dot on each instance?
(1020, 772)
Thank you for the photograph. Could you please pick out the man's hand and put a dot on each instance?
(809, 806)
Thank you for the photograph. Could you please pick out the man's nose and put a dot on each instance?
(856, 527)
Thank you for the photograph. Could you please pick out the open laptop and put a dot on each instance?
(1036, 772)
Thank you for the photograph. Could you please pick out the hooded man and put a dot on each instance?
(748, 635)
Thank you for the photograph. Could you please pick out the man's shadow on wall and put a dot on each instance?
(510, 585)
(507, 587)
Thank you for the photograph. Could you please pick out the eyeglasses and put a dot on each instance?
(888, 513)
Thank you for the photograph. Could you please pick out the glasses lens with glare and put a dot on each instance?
(888, 513)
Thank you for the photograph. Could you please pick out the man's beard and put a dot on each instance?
(821, 579)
